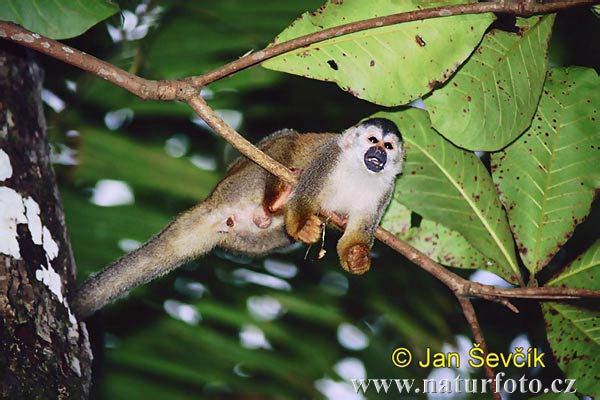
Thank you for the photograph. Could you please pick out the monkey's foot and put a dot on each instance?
(358, 259)
(311, 231)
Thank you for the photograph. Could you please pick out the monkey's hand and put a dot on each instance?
(311, 231)
(356, 258)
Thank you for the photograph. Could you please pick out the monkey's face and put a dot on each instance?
(378, 145)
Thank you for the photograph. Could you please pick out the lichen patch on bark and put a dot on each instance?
(5, 167)
(12, 212)
(33, 219)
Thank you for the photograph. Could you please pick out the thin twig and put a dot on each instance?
(522, 8)
(239, 142)
(469, 312)
(538, 293)
(501, 300)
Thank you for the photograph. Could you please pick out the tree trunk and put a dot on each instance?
(44, 349)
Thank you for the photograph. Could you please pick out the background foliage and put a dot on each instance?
(293, 328)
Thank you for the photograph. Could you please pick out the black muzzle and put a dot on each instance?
(375, 159)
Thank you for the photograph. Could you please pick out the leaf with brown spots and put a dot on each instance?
(584, 272)
(548, 177)
(556, 396)
(491, 100)
(389, 65)
(444, 245)
(574, 335)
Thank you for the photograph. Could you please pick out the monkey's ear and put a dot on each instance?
(349, 137)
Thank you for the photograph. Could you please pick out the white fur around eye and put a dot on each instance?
(373, 131)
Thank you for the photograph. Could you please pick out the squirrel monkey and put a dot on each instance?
(252, 212)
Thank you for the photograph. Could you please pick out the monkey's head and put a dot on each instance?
(377, 144)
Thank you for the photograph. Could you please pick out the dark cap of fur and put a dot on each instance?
(385, 125)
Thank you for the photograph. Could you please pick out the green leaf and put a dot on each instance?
(441, 244)
(451, 186)
(584, 272)
(308, 310)
(548, 177)
(57, 19)
(304, 344)
(390, 65)
(491, 100)
(574, 335)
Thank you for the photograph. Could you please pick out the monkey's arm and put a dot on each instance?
(354, 247)
(280, 146)
(301, 220)
(297, 152)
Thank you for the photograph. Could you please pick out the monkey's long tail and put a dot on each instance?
(190, 235)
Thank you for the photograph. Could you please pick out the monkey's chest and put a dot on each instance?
(348, 192)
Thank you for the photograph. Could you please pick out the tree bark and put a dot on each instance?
(44, 349)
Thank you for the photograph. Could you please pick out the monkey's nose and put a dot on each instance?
(375, 159)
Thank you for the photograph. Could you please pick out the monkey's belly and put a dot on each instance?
(247, 229)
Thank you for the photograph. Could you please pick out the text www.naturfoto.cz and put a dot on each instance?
(462, 385)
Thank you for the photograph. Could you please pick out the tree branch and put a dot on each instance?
(239, 142)
(469, 312)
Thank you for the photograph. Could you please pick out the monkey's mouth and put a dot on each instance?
(375, 159)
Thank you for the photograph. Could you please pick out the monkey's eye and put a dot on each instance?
(373, 139)
(389, 146)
